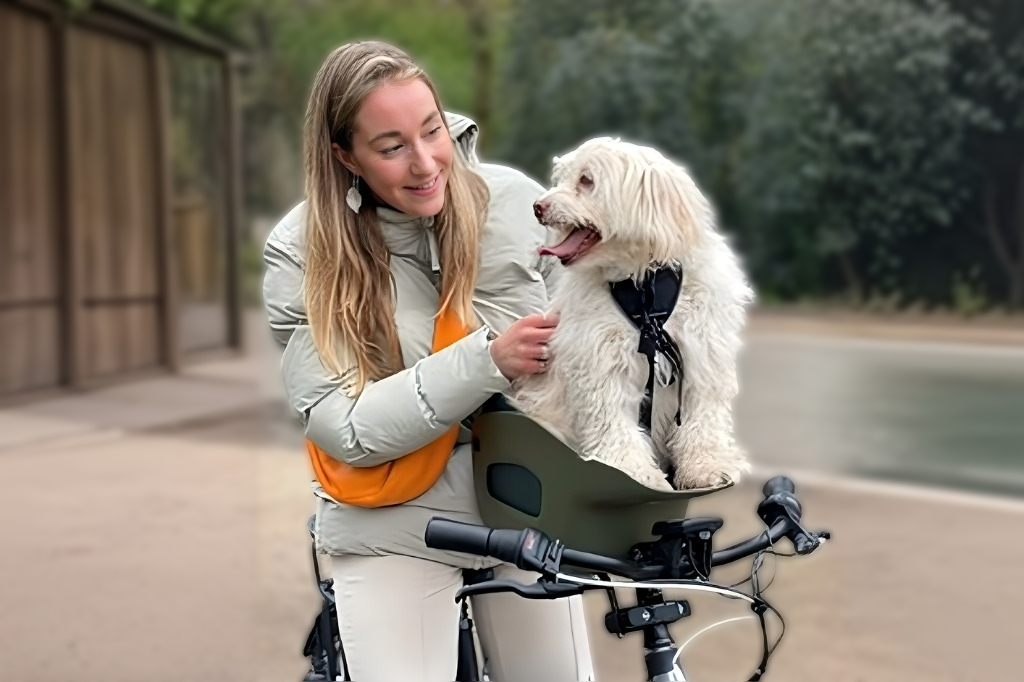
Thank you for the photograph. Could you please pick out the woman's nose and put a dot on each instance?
(423, 162)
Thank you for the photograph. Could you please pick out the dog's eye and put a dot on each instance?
(586, 181)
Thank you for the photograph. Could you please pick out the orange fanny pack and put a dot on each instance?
(402, 479)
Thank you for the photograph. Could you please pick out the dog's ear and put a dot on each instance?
(670, 204)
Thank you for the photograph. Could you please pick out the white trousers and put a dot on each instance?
(398, 620)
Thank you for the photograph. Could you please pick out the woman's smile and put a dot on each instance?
(427, 188)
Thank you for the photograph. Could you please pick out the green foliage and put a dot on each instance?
(220, 17)
(865, 118)
(993, 74)
(431, 31)
(967, 296)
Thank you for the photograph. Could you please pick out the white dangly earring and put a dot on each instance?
(354, 199)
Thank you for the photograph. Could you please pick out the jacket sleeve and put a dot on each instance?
(391, 417)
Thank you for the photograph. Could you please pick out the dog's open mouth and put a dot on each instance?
(572, 248)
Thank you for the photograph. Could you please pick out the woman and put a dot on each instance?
(405, 291)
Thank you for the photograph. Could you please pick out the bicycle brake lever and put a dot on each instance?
(783, 505)
(537, 590)
(805, 542)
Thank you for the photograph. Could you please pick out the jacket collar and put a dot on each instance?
(409, 236)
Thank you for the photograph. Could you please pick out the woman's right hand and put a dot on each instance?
(523, 349)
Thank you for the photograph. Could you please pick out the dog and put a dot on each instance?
(620, 213)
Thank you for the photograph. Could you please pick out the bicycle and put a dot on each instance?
(681, 557)
(531, 487)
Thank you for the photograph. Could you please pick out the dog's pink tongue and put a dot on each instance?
(569, 246)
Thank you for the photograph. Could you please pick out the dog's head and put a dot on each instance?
(617, 205)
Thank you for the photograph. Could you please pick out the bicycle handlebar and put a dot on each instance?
(681, 557)
(530, 549)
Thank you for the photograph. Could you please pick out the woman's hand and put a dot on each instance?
(523, 348)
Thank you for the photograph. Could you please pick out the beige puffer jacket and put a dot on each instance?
(398, 414)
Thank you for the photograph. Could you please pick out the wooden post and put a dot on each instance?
(69, 216)
(168, 259)
(234, 211)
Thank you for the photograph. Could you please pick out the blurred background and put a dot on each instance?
(866, 158)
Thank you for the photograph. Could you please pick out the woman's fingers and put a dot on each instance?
(539, 350)
(524, 347)
(543, 354)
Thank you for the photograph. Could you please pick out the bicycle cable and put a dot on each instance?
(658, 584)
(755, 585)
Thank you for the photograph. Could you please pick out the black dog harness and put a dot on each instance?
(648, 304)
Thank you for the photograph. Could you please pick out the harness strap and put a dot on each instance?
(648, 304)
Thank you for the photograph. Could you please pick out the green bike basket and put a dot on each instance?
(526, 477)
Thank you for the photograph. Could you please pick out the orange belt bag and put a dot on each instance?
(402, 479)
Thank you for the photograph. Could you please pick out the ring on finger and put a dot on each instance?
(544, 354)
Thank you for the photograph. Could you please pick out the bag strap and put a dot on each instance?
(402, 479)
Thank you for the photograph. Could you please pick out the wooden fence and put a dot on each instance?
(96, 163)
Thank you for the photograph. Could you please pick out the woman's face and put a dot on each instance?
(401, 148)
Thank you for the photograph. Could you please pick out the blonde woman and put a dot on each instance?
(406, 290)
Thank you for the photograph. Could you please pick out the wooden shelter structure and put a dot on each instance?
(119, 195)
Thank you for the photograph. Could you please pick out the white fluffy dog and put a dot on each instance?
(621, 210)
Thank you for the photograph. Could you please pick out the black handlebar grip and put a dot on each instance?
(457, 536)
(779, 502)
(509, 545)
(779, 484)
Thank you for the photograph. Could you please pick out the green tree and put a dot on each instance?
(993, 77)
(858, 140)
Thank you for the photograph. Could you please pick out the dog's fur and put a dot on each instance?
(647, 210)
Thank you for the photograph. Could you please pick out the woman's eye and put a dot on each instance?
(435, 131)
(390, 150)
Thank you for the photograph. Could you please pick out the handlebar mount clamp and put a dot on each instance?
(623, 621)
(684, 547)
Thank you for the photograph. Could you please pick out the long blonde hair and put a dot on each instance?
(348, 282)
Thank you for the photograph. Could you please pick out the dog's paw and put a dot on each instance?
(654, 481)
(696, 477)
(646, 473)
(689, 480)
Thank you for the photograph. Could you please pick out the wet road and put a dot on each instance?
(943, 415)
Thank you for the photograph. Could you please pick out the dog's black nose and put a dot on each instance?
(539, 209)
